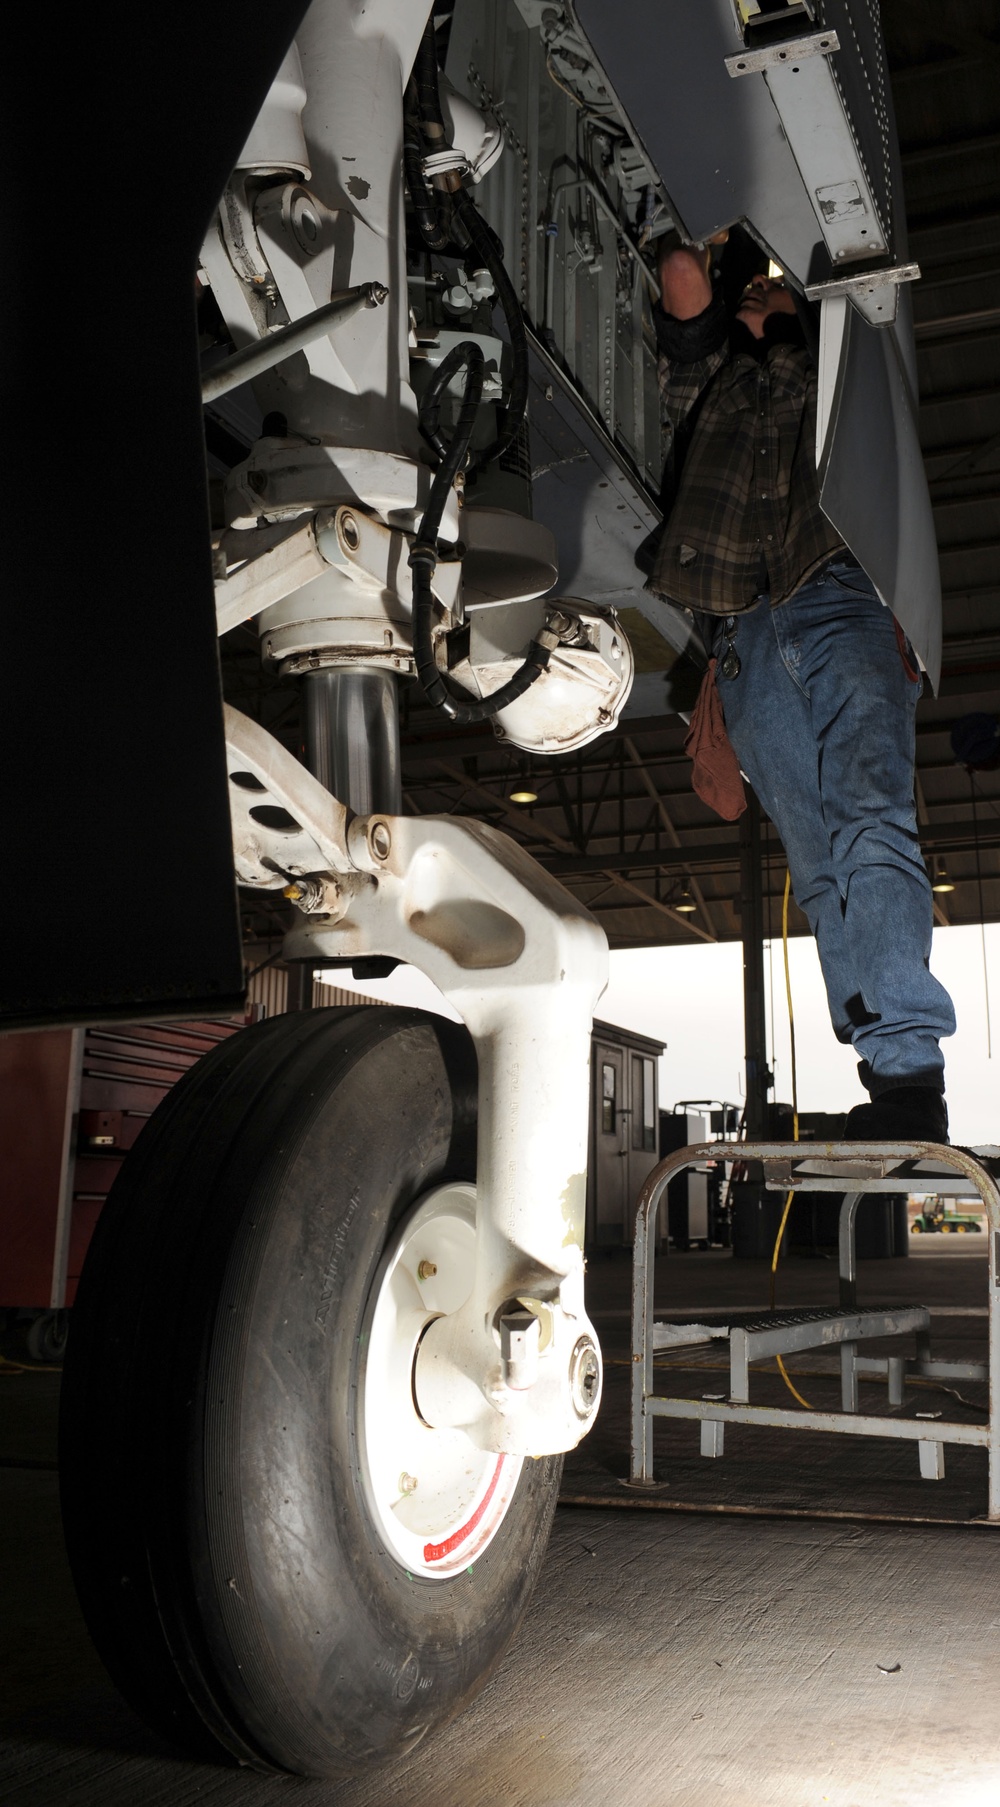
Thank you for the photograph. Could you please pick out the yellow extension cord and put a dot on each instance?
(795, 1133)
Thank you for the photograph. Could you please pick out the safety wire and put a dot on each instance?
(795, 1132)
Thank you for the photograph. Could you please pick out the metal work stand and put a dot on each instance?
(854, 1169)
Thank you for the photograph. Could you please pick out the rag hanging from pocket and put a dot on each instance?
(715, 776)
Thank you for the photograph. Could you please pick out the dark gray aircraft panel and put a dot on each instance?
(596, 507)
(861, 74)
(874, 489)
(717, 143)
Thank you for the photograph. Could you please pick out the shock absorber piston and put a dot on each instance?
(351, 731)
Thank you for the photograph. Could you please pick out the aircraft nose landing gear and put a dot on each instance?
(308, 1475)
(276, 1557)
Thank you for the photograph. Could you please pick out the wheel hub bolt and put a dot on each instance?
(407, 1483)
(520, 1335)
(585, 1376)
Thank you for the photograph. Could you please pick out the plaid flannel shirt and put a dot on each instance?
(747, 492)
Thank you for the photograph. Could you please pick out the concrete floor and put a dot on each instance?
(669, 1659)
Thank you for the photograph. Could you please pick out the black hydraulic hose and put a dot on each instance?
(453, 453)
(482, 241)
(466, 216)
(425, 83)
(424, 199)
(432, 681)
(423, 554)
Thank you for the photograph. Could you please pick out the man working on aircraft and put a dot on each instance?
(817, 683)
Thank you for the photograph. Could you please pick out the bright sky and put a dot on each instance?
(692, 999)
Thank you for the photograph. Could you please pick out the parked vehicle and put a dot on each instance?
(935, 1218)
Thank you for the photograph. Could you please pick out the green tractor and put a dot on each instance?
(935, 1217)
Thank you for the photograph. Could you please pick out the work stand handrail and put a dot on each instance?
(852, 1168)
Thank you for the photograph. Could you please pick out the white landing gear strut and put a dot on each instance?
(517, 1366)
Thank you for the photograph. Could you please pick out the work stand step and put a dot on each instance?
(853, 1169)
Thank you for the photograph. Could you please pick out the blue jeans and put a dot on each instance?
(822, 719)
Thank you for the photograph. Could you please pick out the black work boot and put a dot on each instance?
(906, 1113)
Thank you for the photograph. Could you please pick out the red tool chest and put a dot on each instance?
(72, 1102)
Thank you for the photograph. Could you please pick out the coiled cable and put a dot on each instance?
(423, 553)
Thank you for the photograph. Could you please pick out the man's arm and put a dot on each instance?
(692, 330)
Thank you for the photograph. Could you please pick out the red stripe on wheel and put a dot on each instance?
(436, 1552)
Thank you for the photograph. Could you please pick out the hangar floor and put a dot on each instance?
(713, 1646)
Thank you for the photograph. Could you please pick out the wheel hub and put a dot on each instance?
(436, 1499)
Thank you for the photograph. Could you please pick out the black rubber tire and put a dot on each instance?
(47, 1335)
(227, 1564)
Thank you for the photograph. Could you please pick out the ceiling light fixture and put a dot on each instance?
(524, 796)
(685, 903)
(941, 880)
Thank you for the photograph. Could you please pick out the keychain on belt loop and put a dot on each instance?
(729, 664)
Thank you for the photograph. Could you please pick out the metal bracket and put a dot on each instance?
(268, 576)
(285, 823)
(875, 293)
(341, 539)
(775, 56)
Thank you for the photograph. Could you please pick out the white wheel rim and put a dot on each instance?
(437, 1500)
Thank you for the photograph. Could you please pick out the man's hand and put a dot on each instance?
(763, 296)
(685, 284)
